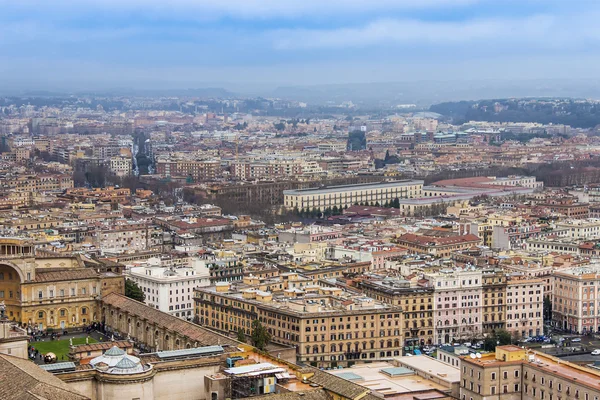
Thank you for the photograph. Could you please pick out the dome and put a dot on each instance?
(117, 361)
(114, 352)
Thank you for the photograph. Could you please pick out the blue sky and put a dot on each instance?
(183, 43)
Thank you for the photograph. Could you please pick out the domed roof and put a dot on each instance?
(126, 363)
(114, 352)
(117, 361)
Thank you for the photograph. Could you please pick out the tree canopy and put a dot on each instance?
(133, 291)
(260, 335)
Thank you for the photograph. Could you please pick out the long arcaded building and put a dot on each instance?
(347, 195)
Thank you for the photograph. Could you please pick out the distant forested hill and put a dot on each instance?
(576, 113)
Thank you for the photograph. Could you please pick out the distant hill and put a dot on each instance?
(576, 113)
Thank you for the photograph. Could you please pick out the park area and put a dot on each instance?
(59, 347)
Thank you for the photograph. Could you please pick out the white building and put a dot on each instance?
(581, 228)
(121, 166)
(171, 289)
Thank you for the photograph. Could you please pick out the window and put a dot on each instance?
(41, 314)
(516, 387)
(505, 389)
(493, 376)
(493, 389)
(516, 373)
(40, 295)
(505, 374)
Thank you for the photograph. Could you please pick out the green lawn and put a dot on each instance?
(59, 347)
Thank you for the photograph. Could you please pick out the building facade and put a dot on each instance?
(347, 195)
(328, 329)
(576, 299)
(51, 292)
(457, 304)
(524, 306)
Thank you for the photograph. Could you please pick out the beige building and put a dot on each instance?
(494, 299)
(416, 303)
(514, 373)
(576, 299)
(57, 292)
(347, 195)
(328, 328)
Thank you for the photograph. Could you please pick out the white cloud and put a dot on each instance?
(540, 30)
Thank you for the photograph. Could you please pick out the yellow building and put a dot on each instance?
(57, 292)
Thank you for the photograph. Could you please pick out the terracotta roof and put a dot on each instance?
(83, 348)
(462, 181)
(194, 332)
(23, 380)
(200, 223)
(313, 394)
(338, 385)
(438, 241)
(65, 274)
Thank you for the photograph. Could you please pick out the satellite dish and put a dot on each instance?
(478, 355)
(472, 355)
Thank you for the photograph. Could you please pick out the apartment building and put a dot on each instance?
(416, 303)
(580, 228)
(514, 373)
(328, 326)
(576, 299)
(39, 183)
(196, 170)
(524, 306)
(170, 289)
(437, 246)
(127, 237)
(120, 166)
(347, 195)
(458, 306)
(270, 169)
(494, 299)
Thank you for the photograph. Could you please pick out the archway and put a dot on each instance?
(10, 290)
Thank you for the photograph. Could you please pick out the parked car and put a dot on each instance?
(576, 340)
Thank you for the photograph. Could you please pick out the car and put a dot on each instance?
(576, 340)
(596, 352)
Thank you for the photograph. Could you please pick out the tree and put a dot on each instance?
(260, 335)
(503, 337)
(241, 336)
(547, 308)
(133, 291)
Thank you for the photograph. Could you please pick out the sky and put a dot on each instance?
(198, 43)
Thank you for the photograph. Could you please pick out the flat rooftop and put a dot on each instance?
(386, 379)
(431, 366)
